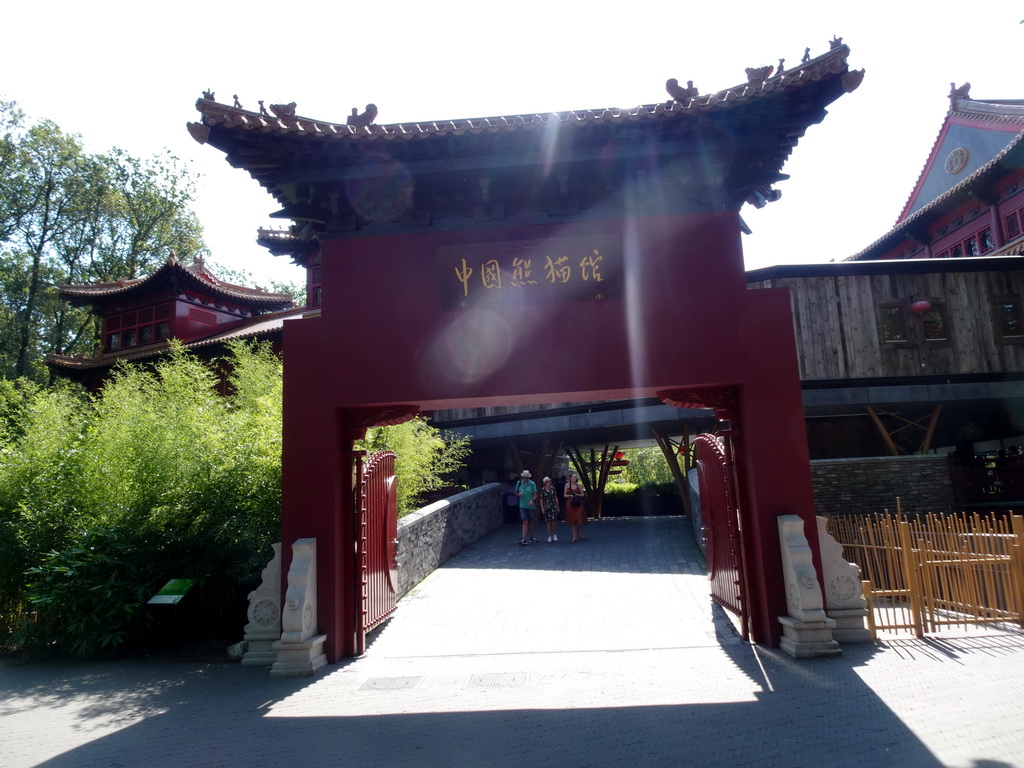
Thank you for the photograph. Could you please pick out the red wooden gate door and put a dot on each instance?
(720, 511)
(378, 543)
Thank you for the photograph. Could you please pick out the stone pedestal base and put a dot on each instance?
(807, 639)
(850, 625)
(260, 652)
(301, 659)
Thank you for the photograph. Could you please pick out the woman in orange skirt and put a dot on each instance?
(575, 512)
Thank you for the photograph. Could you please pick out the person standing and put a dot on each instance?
(526, 490)
(575, 513)
(549, 505)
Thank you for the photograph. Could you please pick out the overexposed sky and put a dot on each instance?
(127, 74)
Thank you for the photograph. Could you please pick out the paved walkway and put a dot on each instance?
(602, 653)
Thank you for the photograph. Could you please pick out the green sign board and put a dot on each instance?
(172, 592)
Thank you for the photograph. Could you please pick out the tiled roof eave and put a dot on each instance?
(240, 294)
(232, 118)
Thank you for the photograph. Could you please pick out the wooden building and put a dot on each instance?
(882, 374)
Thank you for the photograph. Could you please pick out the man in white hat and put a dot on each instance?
(526, 490)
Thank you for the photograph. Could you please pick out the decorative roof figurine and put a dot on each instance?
(757, 75)
(360, 121)
(955, 94)
(238, 104)
(834, 43)
(807, 56)
(780, 69)
(283, 110)
(678, 93)
(209, 95)
(263, 109)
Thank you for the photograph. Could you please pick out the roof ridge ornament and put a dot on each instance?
(680, 94)
(956, 94)
(357, 120)
(757, 75)
(284, 111)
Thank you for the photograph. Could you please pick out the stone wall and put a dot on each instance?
(429, 536)
(867, 485)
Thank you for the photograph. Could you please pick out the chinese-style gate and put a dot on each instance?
(467, 263)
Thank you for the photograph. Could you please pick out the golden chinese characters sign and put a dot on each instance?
(557, 269)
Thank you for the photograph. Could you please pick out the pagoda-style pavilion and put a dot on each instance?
(186, 303)
(969, 198)
(537, 258)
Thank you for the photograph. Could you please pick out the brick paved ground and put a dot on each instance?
(603, 653)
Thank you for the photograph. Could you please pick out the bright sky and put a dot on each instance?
(128, 74)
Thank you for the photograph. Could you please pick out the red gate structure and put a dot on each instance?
(720, 512)
(377, 539)
(447, 251)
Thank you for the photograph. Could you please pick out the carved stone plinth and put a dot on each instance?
(806, 631)
(850, 625)
(808, 639)
(264, 627)
(844, 597)
(300, 649)
(299, 659)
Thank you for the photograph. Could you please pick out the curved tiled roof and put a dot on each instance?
(832, 62)
(195, 276)
(754, 126)
(1014, 147)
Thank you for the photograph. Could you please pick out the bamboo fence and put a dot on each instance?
(932, 572)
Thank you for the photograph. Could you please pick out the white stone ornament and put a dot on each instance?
(844, 597)
(300, 649)
(264, 627)
(806, 631)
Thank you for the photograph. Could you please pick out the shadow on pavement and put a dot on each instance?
(814, 714)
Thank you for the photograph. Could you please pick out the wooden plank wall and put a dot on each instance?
(835, 319)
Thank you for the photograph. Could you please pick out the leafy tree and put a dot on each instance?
(425, 457)
(105, 498)
(69, 217)
(102, 500)
(647, 467)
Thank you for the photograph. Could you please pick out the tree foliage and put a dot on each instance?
(70, 217)
(647, 467)
(425, 457)
(104, 499)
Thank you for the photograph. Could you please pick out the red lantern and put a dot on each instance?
(920, 306)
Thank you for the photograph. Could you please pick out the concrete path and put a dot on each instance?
(603, 653)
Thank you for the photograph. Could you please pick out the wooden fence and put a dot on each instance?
(929, 572)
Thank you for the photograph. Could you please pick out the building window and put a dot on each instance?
(893, 323)
(1009, 321)
(934, 323)
(975, 245)
(128, 329)
(987, 243)
(1014, 224)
